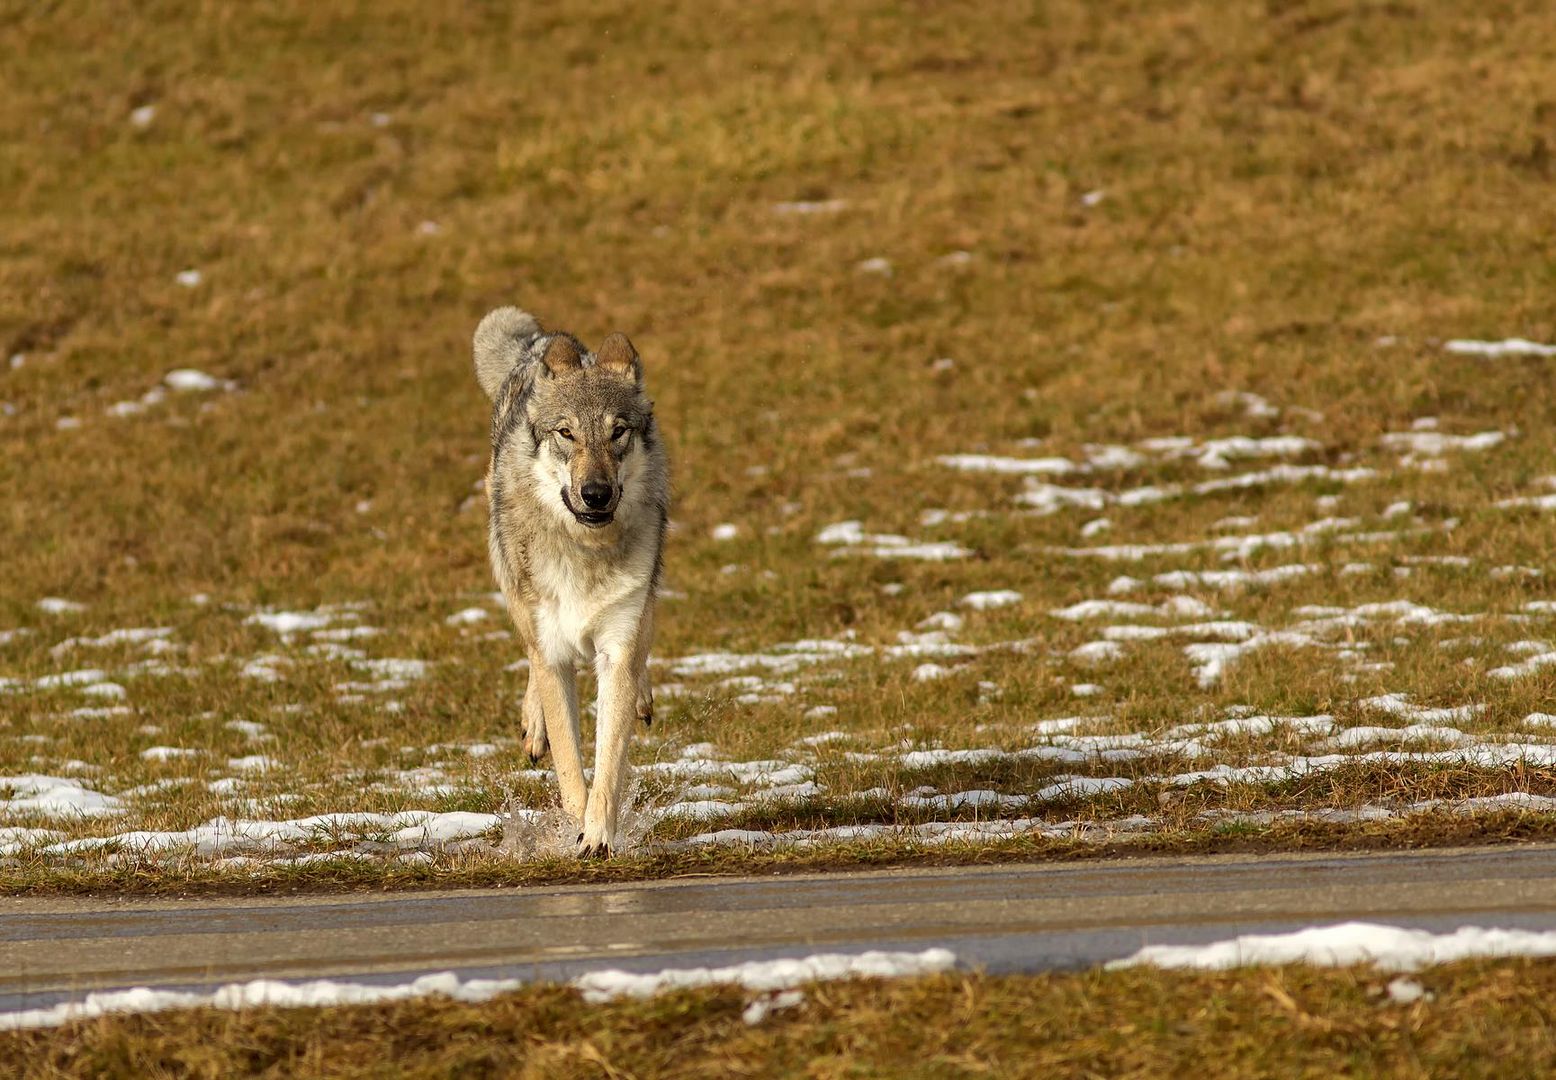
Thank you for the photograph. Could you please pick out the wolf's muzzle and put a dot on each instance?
(597, 500)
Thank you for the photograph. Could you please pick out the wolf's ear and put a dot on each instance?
(562, 355)
(617, 355)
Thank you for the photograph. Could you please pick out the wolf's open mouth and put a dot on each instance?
(594, 519)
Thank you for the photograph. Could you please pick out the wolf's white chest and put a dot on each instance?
(582, 613)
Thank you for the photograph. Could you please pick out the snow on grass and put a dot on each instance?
(941, 620)
(1391, 948)
(1049, 466)
(132, 635)
(1494, 349)
(54, 797)
(1097, 652)
(1242, 546)
(987, 601)
(1210, 454)
(1044, 499)
(1230, 580)
(1525, 667)
(466, 616)
(596, 987)
(1532, 502)
(58, 605)
(806, 207)
(14, 839)
(1399, 705)
(167, 753)
(850, 537)
(767, 975)
(253, 763)
(1174, 607)
(1435, 443)
(222, 836)
(290, 622)
(79, 677)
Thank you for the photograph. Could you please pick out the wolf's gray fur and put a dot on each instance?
(578, 488)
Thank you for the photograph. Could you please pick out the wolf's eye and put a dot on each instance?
(566, 433)
(618, 431)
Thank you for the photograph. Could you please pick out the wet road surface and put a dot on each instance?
(1005, 918)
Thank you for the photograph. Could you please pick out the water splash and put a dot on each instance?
(551, 832)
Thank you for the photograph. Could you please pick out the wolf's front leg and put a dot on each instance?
(556, 687)
(613, 731)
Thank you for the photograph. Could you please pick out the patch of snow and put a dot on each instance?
(941, 620)
(761, 1008)
(805, 207)
(290, 622)
(188, 380)
(850, 535)
(766, 975)
(986, 601)
(168, 753)
(253, 763)
(1435, 443)
(1097, 652)
(1050, 466)
(1391, 948)
(1494, 349)
(55, 797)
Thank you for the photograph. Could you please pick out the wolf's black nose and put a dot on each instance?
(596, 496)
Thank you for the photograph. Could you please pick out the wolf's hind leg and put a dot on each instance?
(534, 723)
(644, 705)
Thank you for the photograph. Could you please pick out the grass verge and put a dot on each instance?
(1474, 1019)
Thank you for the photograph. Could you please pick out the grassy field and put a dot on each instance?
(1471, 1020)
(1183, 275)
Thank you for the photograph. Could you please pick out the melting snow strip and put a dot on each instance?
(1505, 347)
(1391, 948)
(596, 987)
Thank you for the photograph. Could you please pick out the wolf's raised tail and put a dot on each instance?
(501, 342)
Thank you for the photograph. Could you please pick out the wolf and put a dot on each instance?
(579, 492)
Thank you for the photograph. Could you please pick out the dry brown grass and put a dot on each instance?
(1283, 185)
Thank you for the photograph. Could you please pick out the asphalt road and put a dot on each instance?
(1007, 918)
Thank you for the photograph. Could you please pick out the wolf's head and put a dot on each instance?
(580, 419)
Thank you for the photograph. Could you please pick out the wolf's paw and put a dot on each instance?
(535, 745)
(597, 849)
(594, 842)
